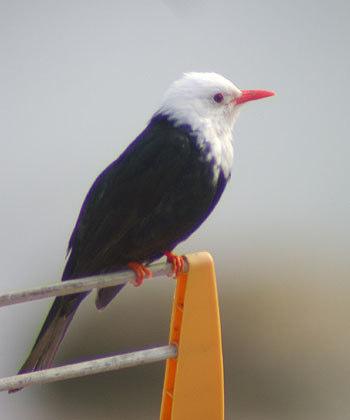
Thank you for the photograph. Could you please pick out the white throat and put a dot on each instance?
(214, 135)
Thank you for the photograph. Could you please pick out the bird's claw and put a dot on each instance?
(141, 272)
(177, 262)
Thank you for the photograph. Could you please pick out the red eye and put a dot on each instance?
(219, 97)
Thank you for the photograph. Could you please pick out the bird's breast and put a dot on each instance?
(217, 150)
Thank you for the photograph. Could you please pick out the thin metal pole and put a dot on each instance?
(80, 285)
(90, 367)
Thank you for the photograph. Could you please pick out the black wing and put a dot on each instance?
(152, 197)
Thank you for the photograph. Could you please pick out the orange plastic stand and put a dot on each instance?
(194, 381)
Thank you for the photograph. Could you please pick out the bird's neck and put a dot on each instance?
(214, 139)
(217, 142)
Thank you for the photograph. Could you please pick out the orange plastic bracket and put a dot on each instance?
(194, 381)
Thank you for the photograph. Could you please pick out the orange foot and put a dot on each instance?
(140, 272)
(177, 262)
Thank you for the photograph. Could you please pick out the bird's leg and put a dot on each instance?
(140, 272)
(177, 262)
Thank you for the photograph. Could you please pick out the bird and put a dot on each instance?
(152, 197)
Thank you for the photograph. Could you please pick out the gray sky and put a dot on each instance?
(79, 80)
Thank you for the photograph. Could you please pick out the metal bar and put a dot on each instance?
(90, 367)
(80, 285)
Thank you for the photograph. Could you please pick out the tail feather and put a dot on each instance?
(105, 295)
(52, 333)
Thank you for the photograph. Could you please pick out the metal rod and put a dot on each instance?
(90, 367)
(80, 285)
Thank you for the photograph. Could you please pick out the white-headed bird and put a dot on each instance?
(155, 195)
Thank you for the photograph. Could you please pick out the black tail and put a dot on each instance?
(105, 295)
(52, 333)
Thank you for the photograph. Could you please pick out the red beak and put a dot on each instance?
(252, 95)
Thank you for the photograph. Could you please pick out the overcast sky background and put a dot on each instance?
(79, 80)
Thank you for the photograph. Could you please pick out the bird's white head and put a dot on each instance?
(208, 103)
(206, 98)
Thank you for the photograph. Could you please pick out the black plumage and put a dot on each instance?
(143, 204)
